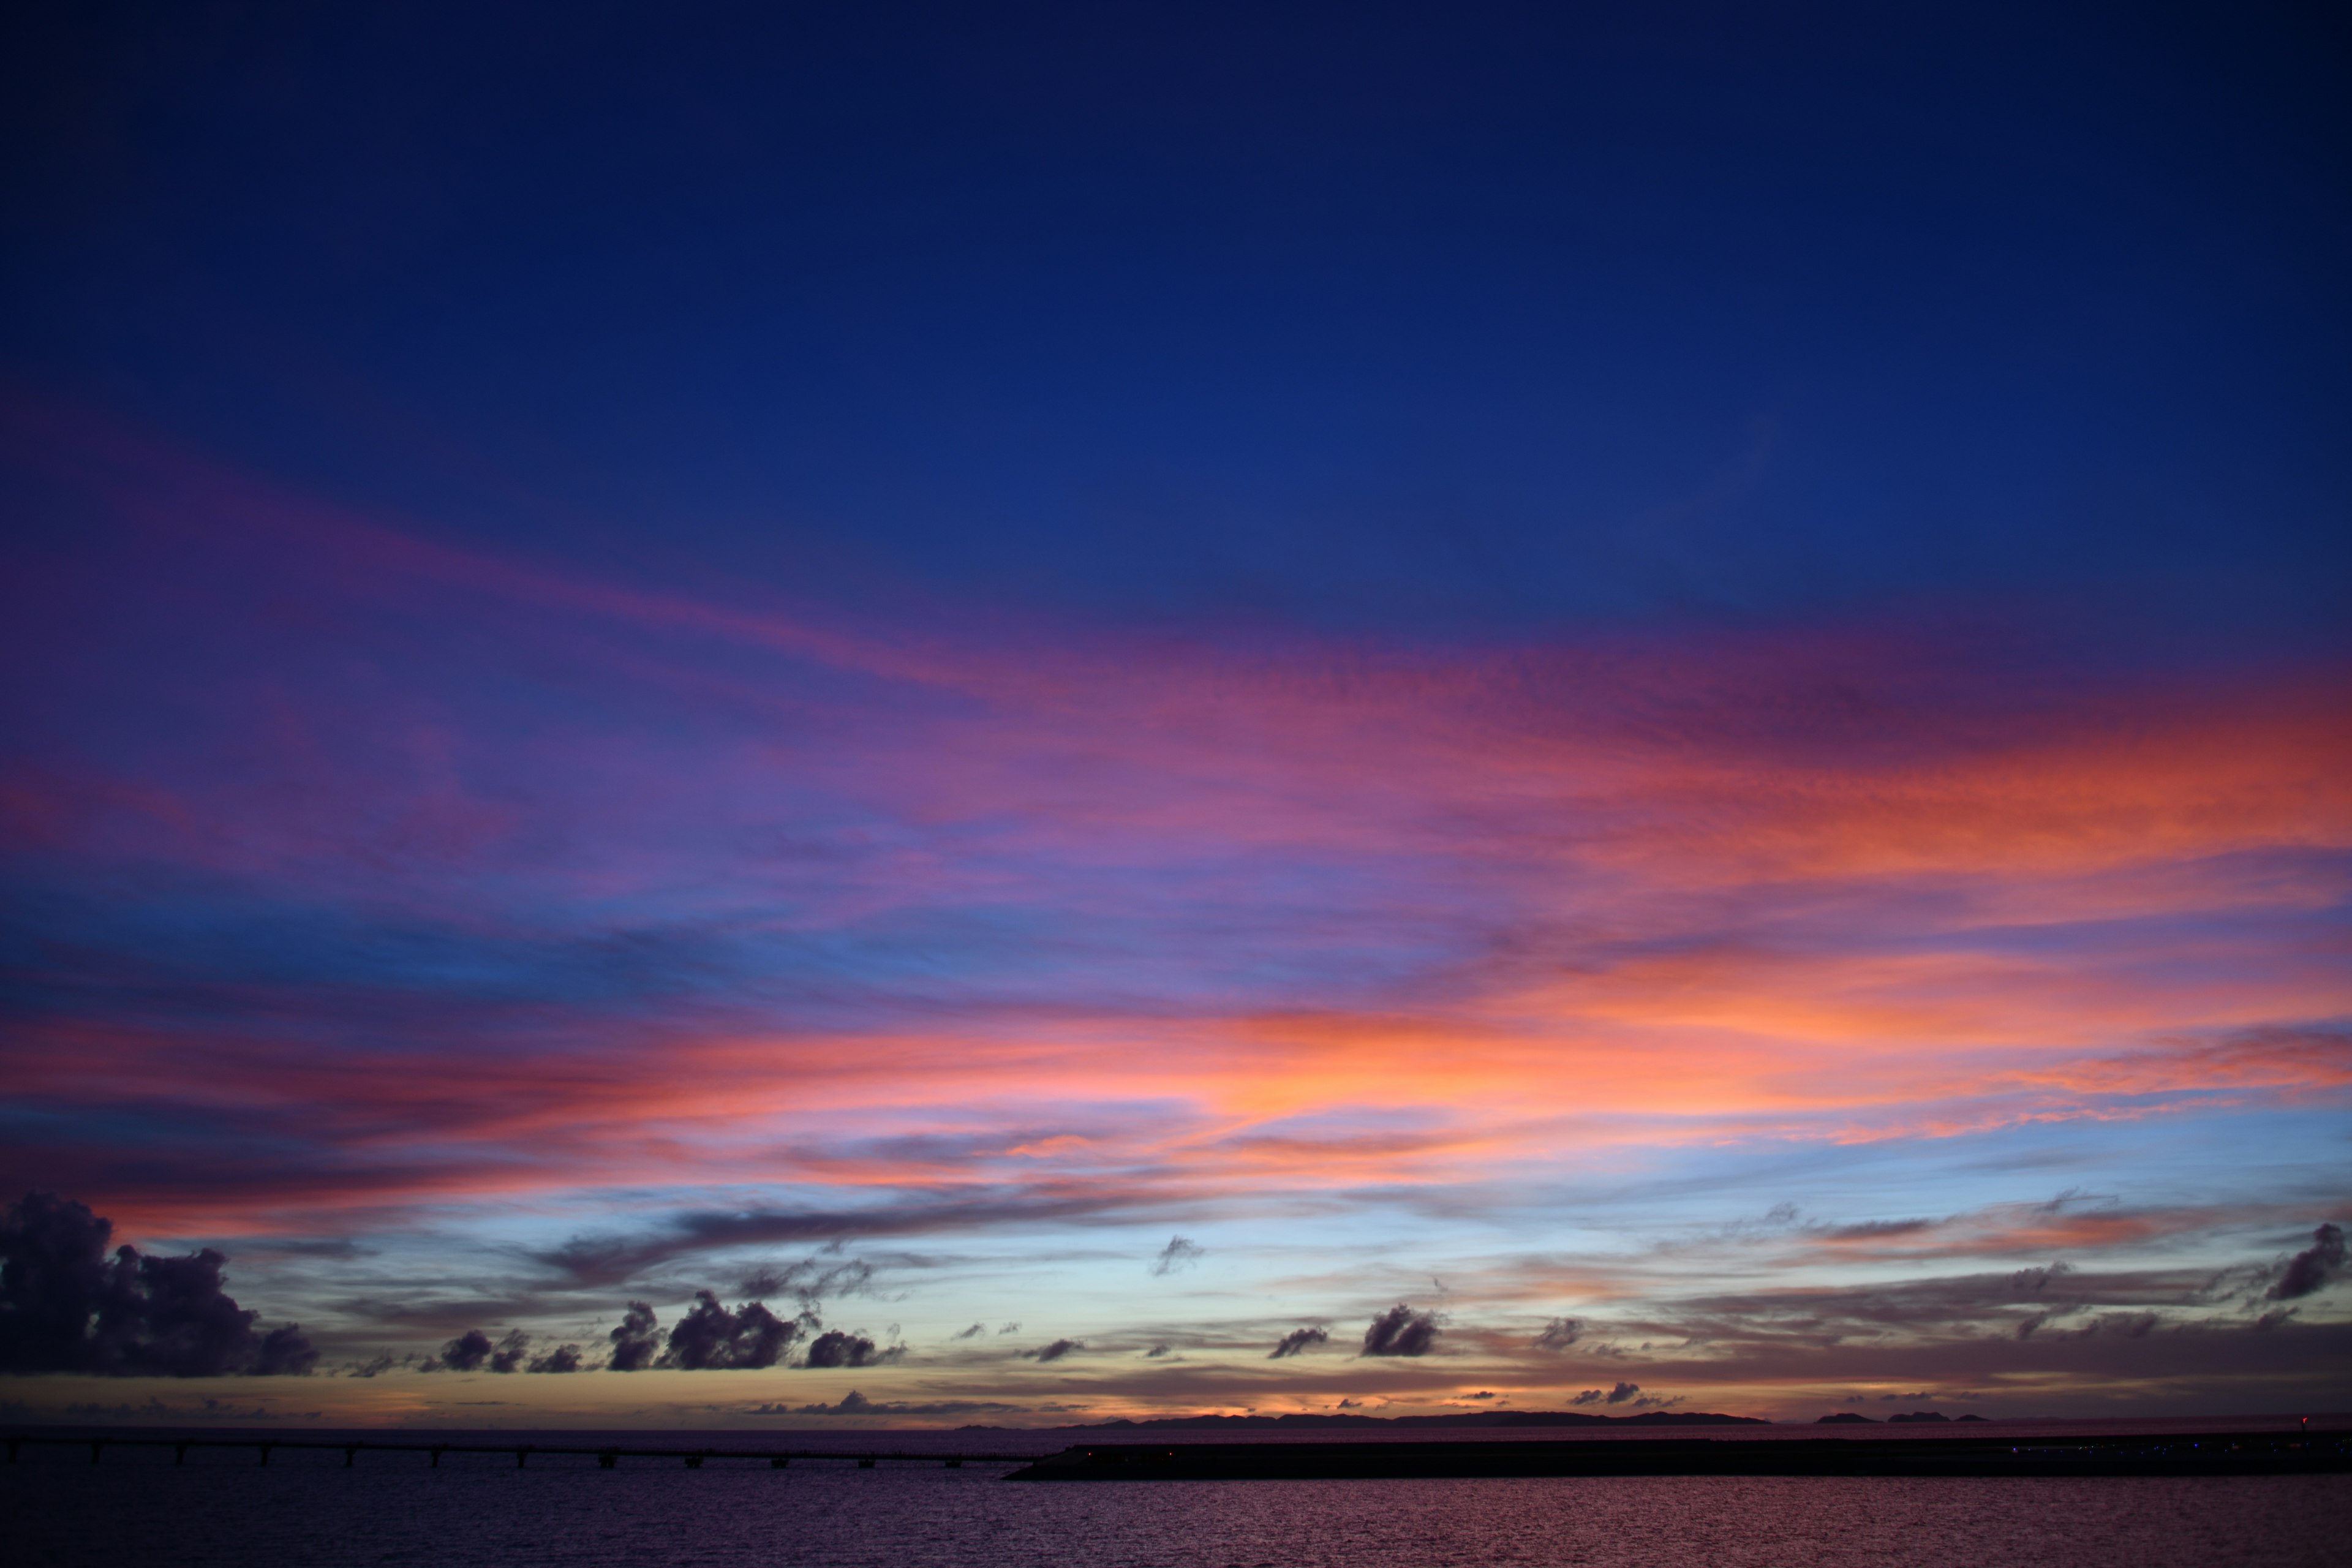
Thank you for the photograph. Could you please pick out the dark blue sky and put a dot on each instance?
(1419, 320)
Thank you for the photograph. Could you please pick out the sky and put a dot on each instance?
(874, 715)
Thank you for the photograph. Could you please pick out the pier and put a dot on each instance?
(607, 1455)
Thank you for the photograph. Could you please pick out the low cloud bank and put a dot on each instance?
(66, 1306)
(856, 1404)
(710, 1338)
(834, 1348)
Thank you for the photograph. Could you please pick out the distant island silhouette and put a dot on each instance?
(1848, 1417)
(1461, 1419)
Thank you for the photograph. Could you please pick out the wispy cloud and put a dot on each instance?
(568, 918)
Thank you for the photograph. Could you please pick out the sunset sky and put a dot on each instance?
(1147, 711)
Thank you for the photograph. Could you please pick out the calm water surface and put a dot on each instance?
(303, 1511)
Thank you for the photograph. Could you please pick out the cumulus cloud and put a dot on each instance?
(1617, 1395)
(1299, 1340)
(834, 1348)
(1054, 1352)
(1558, 1335)
(1180, 1253)
(2311, 1268)
(1401, 1332)
(972, 1333)
(636, 1341)
(710, 1338)
(474, 1351)
(66, 1306)
(1155, 1352)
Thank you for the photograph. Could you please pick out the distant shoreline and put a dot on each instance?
(1457, 1418)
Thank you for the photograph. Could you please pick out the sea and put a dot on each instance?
(307, 1509)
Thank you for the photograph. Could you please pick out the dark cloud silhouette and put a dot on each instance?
(1155, 1352)
(636, 1341)
(284, 1351)
(473, 1351)
(1401, 1332)
(1299, 1340)
(1180, 1253)
(467, 1353)
(563, 1358)
(972, 1333)
(1558, 1335)
(1012, 1328)
(1054, 1352)
(856, 1404)
(834, 1348)
(2311, 1268)
(710, 1338)
(66, 1306)
(1617, 1395)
